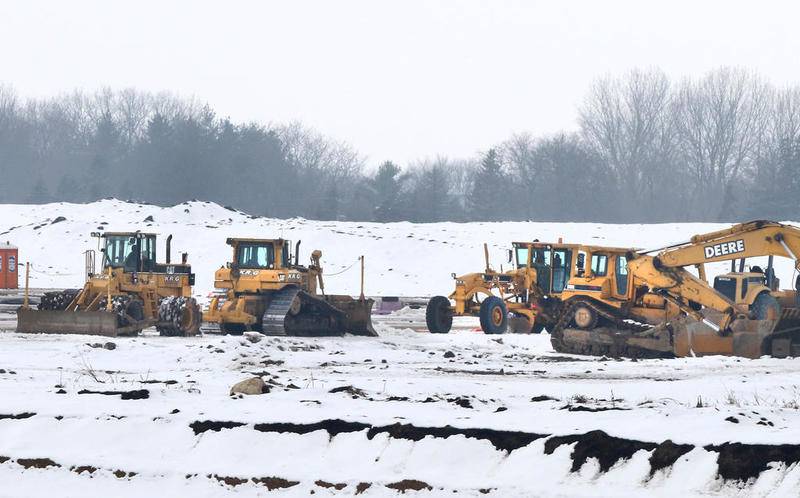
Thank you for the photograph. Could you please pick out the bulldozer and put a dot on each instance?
(644, 305)
(526, 298)
(265, 289)
(131, 292)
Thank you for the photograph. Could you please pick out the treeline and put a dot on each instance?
(721, 147)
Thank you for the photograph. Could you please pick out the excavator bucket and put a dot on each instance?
(357, 318)
(67, 322)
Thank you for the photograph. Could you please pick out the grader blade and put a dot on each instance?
(32, 321)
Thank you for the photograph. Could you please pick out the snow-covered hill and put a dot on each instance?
(401, 258)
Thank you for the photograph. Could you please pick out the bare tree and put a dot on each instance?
(721, 122)
(628, 122)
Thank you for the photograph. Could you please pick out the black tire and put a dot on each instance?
(765, 307)
(135, 309)
(584, 317)
(538, 327)
(57, 300)
(494, 315)
(181, 313)
(439, 315)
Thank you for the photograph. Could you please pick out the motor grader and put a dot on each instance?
(526, 298)
(265, 289)
(743, 313)
(130, 293)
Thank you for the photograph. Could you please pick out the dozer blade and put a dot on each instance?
(67, 322)
(357, 318)
(317, 316)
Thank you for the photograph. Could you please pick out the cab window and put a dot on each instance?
(256, 256)
(726, 286)
(522, 257)
(285, 256)
(599, 265)
(126, 251)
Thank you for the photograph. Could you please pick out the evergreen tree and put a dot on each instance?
(387, 185)
(488, 195)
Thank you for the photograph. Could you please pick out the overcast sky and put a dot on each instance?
(398, 80)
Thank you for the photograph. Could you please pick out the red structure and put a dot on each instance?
(9, 269)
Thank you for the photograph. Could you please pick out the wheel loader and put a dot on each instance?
(526, 298)
(130, 293)
(266, 290)
(609, 310)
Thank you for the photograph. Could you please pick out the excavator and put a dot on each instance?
(743, 313)
(131, 292)
(265, 289)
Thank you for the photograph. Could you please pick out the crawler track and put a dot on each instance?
(315, 317)
(611, 339)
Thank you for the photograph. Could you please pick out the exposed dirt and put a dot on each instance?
(502, 440)
(135, 394)
(740, 462)
(200, 427)
(666, 454)
(353, 391)
(362, 486)
(409, 485)
(608, 450)
(80, 469)
(37, 463)
(230, 481)
(324, 484)
(17, 416)
(332, 426)
(272, 483)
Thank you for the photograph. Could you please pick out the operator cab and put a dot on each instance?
(735, 284)
(255, 254)
(133, 252)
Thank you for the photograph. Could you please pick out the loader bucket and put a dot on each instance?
(357, 314)
(32, 321)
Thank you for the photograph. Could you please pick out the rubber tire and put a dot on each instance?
(592, 323)
(538, 327)
(764, 305)
(439, 315)
(489, 307)
(135, 309)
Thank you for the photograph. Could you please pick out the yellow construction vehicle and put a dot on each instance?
(267, 290)
(743, 313)
(130, 293)
(526, 298)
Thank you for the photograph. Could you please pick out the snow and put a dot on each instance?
(404, 259)
(404, 375)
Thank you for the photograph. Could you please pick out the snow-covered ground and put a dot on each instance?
(404, 259)
(172, 442)
(461, 414)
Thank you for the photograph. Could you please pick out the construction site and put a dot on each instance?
(524, 355)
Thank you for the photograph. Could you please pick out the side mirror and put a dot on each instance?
(453, 275)
(510, 255)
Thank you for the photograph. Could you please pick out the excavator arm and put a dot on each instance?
(666, 273)
(681, 287)
(745, 240)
